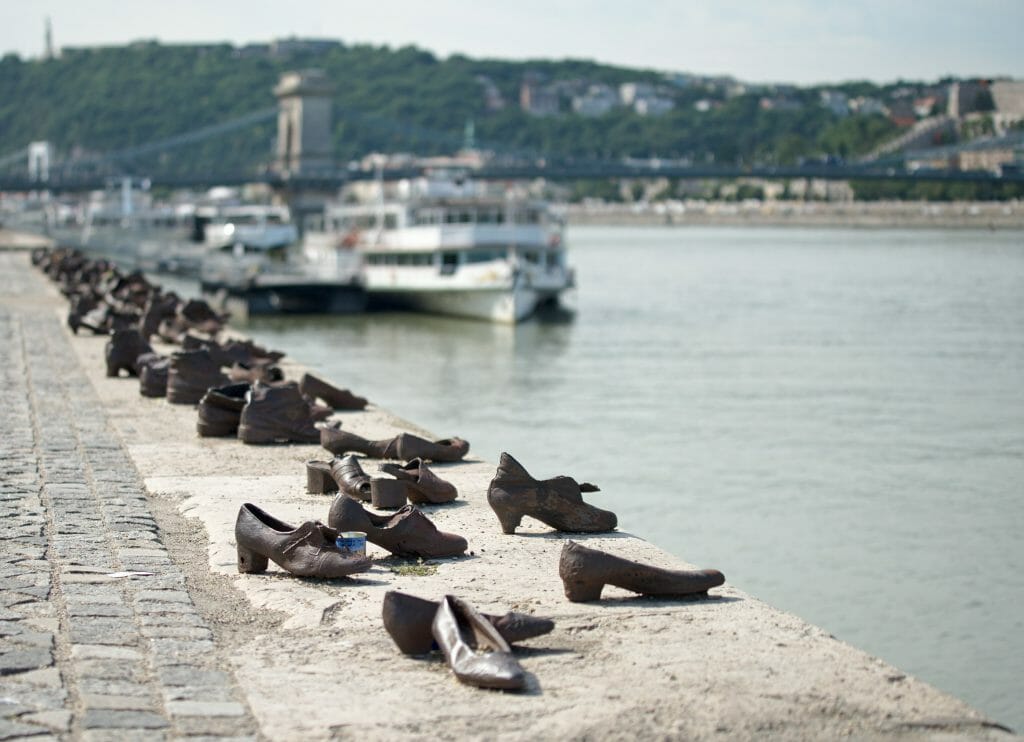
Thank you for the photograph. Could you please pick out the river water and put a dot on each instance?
(833, 418)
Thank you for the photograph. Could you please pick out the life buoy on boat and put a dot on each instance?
(351, 238)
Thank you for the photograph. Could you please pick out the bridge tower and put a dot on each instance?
(39, 156)
(304, 124)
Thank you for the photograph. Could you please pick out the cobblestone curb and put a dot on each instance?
(84, 654)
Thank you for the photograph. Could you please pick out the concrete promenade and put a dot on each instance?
(97, 480)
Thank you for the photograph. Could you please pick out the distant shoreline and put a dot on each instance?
(855, 214)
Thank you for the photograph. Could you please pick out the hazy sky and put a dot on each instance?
(801, 41)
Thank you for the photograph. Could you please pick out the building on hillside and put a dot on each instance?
(901, 112)
(1008, 98)
(835, 101)
(653, 105)
(868, 106)
(537, 99)
(967, 97)
(629, 92)
(597, 101)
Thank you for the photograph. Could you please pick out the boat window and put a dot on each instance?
(554, 259)
(531, 256)
(501, 217)
(390, 221)
(449, 262)
(449, 217)
(465, 217)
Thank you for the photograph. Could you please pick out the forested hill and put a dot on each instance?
(91, 100)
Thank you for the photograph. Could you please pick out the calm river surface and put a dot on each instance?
(833, 418)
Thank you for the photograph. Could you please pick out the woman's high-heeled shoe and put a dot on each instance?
(585, 572)
(404, 446)
(408, 621)
(308, 550)
(473, 647)
(557, 502)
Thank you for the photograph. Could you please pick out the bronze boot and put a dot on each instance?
(408, 620)
(473, 647)
(585, 572)
(558, 501)
(407, 533)
(123, 350)
(192, 372)
(308, 550)
(220, 410)
(277, 414)
(153, 372)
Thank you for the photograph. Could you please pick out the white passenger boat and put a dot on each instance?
(449, 245)
(166, 237)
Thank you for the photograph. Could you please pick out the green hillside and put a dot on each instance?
(96, 100)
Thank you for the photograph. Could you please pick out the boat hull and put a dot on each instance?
(505, 305)
(288, 298)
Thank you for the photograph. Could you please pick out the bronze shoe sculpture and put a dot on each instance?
(192, 372)
(344, 474)
(123, 350)
(220, 410)
(404, 446)
(407, 533)
(408, 621)
(338, 399)
(153, 372)
(473, 647)
(421, 484)
(276, 414)
(558, 501)
(585, 572)
(308, 550)
(253, 372)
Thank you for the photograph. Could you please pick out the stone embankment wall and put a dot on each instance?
(883, 214)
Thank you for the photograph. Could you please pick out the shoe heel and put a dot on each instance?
(112, 371)
(582, 592)
(387, 494)
(249, 562)
(319, 481)
(509, 520)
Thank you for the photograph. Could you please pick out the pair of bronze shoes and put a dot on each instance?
(404, 446)
(405, 533)
(307, 550)
(585, 572)
(475, 645)
(558, 501)
(414, 482)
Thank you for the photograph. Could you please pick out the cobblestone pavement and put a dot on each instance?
(85, 654)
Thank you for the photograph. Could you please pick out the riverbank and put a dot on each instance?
(302, 658)
(754, 213)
